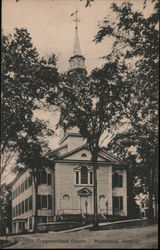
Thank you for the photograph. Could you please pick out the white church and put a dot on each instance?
(66, 188)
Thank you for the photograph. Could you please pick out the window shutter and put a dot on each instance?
(113, 180)
(49, 179)
(49, 202)
(91, 181)
(39, 202)
(121, 181)
(121, 202)
(30, 203)
(22, 207)
(77, 177)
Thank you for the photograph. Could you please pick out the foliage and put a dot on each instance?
(26, 81)
(136, 37)
(5, 209)
(92, 103)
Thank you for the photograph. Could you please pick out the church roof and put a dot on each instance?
(102, 154)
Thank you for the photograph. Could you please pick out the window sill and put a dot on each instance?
(83, 185)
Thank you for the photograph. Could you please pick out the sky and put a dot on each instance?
(51, 27)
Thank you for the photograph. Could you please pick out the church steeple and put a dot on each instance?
(77, 60)
(76, 50)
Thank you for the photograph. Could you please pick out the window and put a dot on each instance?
(30, 202)
(15, 192)
(16, 210)
(77, 177)
(19, 189)
(26, 184)
(49, 179)
(29, 181)
(117, 202)
(44, 201)
(22, 187)
(117, 180)
(13, 212)
(66, 201)
(91, 181)
(22, 207)
(43, 178)
(49, 202)
(44, 219)
(19, 209)
(84, 175)
(30, 223)
(83, 155)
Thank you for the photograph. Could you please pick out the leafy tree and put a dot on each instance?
(33, 156)
(91, 103)
(5, 209)
(136, 37)
(26, 81)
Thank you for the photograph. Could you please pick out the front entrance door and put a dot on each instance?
(85, 200)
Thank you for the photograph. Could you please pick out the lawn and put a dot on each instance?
(135, 238)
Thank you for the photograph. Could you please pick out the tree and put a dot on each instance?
(33, 156)
(90, 103)
(26, 81)
(5, 209)
(136, 37)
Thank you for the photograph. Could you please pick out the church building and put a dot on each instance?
(67, 188)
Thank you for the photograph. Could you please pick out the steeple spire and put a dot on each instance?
(76, 50)
(77, 60)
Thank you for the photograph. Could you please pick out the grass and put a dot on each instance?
(145, 237)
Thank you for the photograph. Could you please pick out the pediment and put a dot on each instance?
(84, 192)
(82, 153)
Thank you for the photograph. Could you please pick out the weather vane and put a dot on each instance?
(76, 20)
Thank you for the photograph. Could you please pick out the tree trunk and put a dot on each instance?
(36, 202)
(151, 183)
(94, 162)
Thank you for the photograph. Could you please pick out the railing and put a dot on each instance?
(62, 211)
(103, 213)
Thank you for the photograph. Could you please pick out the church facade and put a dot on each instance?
(67, 188)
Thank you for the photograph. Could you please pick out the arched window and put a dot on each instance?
(83, 155)
(66, 201)
(102, 204)
(84, 175)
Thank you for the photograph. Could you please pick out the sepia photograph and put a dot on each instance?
(79, 124)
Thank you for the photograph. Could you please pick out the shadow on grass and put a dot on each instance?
(122, 225)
